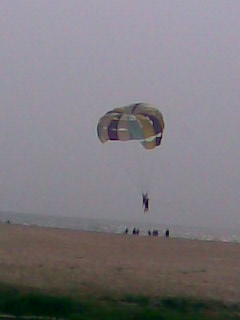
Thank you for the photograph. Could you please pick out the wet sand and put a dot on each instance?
(82, 263)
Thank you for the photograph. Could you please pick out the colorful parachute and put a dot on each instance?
(138, 121)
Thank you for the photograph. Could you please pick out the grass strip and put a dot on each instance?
(22, 304)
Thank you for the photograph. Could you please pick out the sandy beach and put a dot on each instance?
(82, 263)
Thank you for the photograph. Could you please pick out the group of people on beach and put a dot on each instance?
(154, 233)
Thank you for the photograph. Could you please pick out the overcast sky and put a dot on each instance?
(63, 64)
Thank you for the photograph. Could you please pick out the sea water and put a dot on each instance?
(114, 226)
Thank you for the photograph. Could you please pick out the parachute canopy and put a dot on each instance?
(140, 121)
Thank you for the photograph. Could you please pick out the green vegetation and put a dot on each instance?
(26, 303)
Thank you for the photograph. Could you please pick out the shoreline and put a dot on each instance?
(118, 226)
(143, 232)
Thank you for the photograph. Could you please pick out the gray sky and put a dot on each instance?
(63, 64)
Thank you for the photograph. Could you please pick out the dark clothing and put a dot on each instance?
(145, 202)
(144, 197)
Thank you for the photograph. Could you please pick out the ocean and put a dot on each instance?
(118, 227)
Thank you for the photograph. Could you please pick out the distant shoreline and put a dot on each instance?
(161, 235)
(118, 227)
